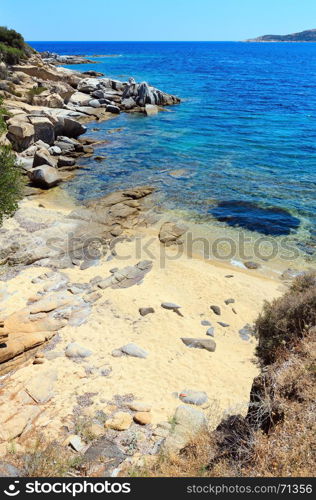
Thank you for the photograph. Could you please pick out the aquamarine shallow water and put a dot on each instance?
(244, 135)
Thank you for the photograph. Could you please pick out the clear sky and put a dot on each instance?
(192, 20)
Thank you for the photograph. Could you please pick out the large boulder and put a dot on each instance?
(44, 129)
(44, 176)
(49, 100)
(42, 157)
(73, 128)
(21, 134)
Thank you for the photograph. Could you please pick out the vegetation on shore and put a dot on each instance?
(11, 183)
(12, 46)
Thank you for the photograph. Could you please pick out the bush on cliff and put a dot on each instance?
(11, 185)
(12, 46)
(284, 321)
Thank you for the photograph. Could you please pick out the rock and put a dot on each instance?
(44, 176)
(94, 103)
(117, 353)
(142, 418)
(113, 109)
(9, 470)
(134, 350)
(170, 306)
(205, 322)
(224, 325)
(65, 161)
(128, 276)
(20, 134)
(189, 422)
(44, 129)
(229, 301)
(128, 103)
(38, 361)
(210, 332)
(41, 389)
(216, 310)
(42, 157)
(251, 265)
(95, 430)
(72, 128)
(49, 100)
(75, 350)
(247, 332)
(104, 451)
(121, 421)
(208, 344)
(143, 311)
(76, 443)
(170, 233)
(54, 150)
(139, 406)
(151, 110)
(198, 398)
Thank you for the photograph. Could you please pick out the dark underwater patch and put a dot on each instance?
(272, 221)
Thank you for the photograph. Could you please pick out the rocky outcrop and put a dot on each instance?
(171, 232)
(56, 59)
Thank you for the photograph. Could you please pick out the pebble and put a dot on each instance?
(134, 350)
(246, 332)
(193, 397)
(139, 406)
(121, 421)
(210, 332)
(229, 276)
(38, 361)
(205, 322)
(229, 301)
(251, 265)
(142, 417)
(224, 325)
(143, 311)
(76, 443)
(74, 350)
(170, 306)
(208, 344)
(216, 310)
(117, 353)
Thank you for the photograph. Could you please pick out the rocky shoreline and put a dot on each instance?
(103, 350)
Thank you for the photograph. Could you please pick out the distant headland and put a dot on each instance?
(303, 36)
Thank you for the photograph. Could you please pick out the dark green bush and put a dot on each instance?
(11, 184)
(10, 55)
(287, 319)
(11, 38)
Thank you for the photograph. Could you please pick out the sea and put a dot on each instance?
(240, 149)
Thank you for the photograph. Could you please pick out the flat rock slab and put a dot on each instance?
(208, 344)
(193, 397)
(134, 350)
(41, 389)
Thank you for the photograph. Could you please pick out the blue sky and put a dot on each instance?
(156, 20)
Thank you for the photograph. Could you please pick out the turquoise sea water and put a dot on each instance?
(239, 150)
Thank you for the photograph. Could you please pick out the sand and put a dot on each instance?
(193, 283)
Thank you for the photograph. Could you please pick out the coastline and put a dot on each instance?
(114, 320)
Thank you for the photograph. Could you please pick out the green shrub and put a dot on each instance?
(286, 320)
(11, 184)
(11, 38)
